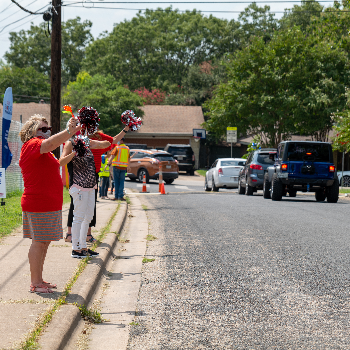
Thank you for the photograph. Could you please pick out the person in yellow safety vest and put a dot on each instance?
(119, 159)
(104, 175)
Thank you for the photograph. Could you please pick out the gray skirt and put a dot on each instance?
(43, 227)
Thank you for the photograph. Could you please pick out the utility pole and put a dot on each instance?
(55, 103)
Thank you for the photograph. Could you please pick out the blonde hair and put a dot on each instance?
(31, 127)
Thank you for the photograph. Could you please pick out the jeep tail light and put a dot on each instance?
(192, 157)
(284, 167)
(220, 172)
(256, 167)
(331, 168)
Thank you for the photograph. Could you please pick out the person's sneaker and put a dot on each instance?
(92, 253)
(79, 255)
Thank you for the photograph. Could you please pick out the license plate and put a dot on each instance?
(168, 166)
(282, 175)
(180, 157)
(235, 178)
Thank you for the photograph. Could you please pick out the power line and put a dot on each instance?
(25, 10)
(213, 11)
(37, 13)
(20, 10)
(191, 2)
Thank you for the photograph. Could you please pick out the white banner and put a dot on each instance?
(2, 183)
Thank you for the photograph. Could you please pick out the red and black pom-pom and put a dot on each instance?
(88, 118)
(129, 118)
(80, 146)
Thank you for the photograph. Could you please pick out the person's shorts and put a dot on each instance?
(43, 227)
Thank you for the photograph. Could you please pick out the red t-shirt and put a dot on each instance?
(98, 152)
(43, 188)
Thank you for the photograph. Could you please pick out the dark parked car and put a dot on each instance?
(251, 177)
(184, 156)
(303, 166)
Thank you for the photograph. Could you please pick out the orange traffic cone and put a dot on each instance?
(162, 191)
(144, 187)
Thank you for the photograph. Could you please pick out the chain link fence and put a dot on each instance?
(14, 180)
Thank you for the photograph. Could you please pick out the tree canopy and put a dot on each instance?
(158, 48)
(33, 48)
(290, 85)
(28, 84)
(106, 95)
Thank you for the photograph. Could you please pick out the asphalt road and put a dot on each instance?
(243, 272)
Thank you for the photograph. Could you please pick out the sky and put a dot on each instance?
(104, 18)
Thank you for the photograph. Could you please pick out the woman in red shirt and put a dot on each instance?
(42, 209)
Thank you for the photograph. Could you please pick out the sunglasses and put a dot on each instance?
(45, 128)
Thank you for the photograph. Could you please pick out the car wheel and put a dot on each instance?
(320, 195)
(346, 181)
(333, 192)
(266, 187)
(240, 188)
(206, 188)
(248, 189)
(169, 181)
(192, 172)
(213, 187)
(141, 173)
(292, 193)
(276, 188)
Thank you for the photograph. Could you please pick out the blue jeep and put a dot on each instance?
(305, 166)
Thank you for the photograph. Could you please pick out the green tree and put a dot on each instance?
(256, 21)
(33, 48)
(157, 48)
(301, 16)
(106, 95)
(27, 84)
(290, 85)
(198, 85)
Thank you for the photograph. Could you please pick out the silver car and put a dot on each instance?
(223, 174)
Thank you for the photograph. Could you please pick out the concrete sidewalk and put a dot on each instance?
(20, 310)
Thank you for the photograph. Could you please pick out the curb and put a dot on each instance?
(59, 331)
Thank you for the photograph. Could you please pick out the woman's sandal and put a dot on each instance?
(49, 285)
(91, 239)
(40, 289)
(68, 238)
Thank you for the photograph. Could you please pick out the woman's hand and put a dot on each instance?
(73, 125)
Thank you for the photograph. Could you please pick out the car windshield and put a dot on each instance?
(300, 151)
(232, 163)
(163, 157)
(180, 151)
(264, 158)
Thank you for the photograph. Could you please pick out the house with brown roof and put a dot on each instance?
(23, 111)
(168, 124)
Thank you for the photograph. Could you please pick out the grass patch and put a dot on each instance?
(91, 316)
(146, 260)
(151, 238)
(344, 190)
(11, 212)
(144, 207)
(133, 323)
(202, 172)
(128, 200)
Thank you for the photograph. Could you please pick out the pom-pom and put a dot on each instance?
(88, 118)
(129, 118)
(81, 145)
